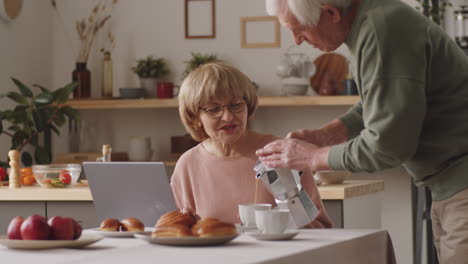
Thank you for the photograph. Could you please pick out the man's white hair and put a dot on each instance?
(307, 12)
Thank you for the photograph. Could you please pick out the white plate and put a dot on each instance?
(288, 234)
(186, 241)
(120, 234)
(84, 240)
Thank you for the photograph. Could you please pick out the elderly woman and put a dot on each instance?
(213, 178)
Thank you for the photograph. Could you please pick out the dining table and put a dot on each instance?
(309, 246)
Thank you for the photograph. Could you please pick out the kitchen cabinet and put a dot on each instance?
(83, 212)
(352, 204)
(11, 209)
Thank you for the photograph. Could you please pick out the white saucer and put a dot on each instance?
(286, 235)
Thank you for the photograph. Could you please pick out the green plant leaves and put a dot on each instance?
(33, 115)
(17, 140)
(23, 88)
(60, 96)
(17, 98)
(151, 68)
(26, 159)
(42, 155)
(38, 121)
(197, 60)
(43, 89)
(70, 112)
(60, 119)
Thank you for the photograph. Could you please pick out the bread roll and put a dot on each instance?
(110, 224)
(214, 229)
(176, 217)
(200, 223)
(132, 225)
(172, 230)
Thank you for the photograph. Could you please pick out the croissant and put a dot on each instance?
(176, 217)
(214, 229)
(172, 230)
(207, 221)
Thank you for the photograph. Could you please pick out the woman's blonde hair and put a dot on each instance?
(209, 82)
(307, 12)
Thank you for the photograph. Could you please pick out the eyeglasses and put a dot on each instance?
(216, 111)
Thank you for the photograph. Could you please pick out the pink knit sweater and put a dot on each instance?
(213, 186)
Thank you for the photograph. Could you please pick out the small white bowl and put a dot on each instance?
(330, 177)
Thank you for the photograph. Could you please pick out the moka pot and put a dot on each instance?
(285, 186)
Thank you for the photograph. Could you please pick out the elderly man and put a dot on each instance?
(413, 85)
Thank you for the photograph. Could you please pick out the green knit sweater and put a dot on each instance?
(413, 85)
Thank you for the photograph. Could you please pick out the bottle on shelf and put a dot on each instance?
(107, 76)
(106, 154)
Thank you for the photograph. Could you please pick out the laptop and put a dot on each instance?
(130, 189)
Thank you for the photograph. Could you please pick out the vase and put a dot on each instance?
(82, 76)
(149, 84)
(107, 76)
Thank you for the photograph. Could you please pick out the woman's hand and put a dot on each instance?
(292, 153)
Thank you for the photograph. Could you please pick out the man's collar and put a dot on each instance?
(361, 14)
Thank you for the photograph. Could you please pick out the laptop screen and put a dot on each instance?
(130, 189)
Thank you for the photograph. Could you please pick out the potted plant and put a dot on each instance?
(35, 116)
(434, 9)
(149, 70)
(197, 60)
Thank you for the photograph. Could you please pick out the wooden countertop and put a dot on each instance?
(346, 190)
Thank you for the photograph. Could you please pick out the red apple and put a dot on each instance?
(35, 227)
(77, 230)
(61, 228)
(14, 228)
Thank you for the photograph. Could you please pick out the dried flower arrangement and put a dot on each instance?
(111, 39)
(87, 28)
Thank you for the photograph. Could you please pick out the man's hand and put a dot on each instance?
(288, 153)
(311, 136)
(332, 133)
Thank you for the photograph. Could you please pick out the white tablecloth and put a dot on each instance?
(310, 246)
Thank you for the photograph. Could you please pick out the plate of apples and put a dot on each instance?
(36, 232)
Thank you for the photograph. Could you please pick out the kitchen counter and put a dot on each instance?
(346, 190)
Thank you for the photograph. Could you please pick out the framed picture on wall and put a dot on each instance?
(200, 19)
(260, 32)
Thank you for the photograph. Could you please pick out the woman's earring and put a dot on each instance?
(199, 125)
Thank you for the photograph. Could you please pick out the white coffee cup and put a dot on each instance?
(274, 221)
(247, 213)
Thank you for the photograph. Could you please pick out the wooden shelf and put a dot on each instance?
(172, 103)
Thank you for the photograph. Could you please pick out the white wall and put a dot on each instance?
(25, 52)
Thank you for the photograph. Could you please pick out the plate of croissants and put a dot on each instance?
(184, 229)
(112, 227)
